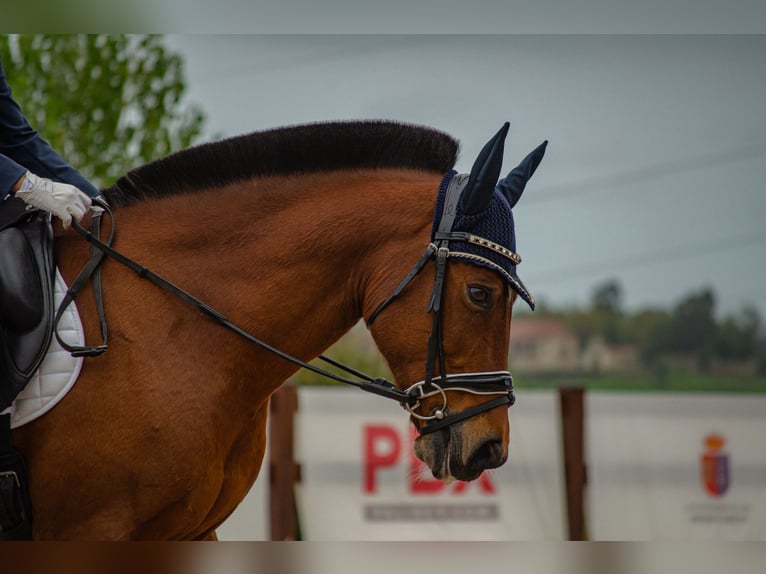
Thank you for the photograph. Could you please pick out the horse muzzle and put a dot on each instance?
(450, 457)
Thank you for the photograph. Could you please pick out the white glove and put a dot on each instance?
(61, 199)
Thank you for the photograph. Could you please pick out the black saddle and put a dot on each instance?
(26, 294)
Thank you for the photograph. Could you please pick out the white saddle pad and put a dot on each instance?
(58, 371)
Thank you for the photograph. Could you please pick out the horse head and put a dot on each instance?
(446, 337)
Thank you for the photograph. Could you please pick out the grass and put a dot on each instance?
(673, 381)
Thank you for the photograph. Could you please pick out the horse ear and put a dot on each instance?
(484, 173)
(513, 185)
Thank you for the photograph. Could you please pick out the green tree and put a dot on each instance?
(651, 331)
(603, 318)
(607, 296)
(606, 311)
(694, 327)
(107, 103)
(737, 336)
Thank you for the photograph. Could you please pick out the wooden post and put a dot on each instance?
(571, 401)
(283, 471)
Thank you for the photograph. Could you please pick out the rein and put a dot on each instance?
(486, 383)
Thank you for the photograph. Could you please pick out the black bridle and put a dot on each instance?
(498, 383)
(490, 383)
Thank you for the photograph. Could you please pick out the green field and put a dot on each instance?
(674, 380)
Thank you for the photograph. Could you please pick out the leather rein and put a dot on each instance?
(494, 383)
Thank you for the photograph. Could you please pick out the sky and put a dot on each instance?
(654, 171)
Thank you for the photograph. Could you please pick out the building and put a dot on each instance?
(543, 345)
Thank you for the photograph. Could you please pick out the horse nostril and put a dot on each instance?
(488, 455)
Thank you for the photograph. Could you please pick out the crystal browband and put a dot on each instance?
(476, 240)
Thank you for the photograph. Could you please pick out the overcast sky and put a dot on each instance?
(655, 170)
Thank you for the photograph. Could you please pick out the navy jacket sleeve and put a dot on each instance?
(22, 149)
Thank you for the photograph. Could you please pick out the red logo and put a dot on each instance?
(714, 466)
(382, 446)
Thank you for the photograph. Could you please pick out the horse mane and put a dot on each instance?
(289, 150)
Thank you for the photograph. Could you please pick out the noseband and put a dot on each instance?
(489, 383)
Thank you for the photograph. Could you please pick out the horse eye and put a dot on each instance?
(479, 295)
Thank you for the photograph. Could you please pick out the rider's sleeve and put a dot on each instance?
(10, 173)
(22, 149)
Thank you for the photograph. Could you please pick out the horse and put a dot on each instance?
(296, 234)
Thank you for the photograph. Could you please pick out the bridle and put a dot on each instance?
(490, 383)
(498, 384)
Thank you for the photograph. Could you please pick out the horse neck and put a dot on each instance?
(292, 260)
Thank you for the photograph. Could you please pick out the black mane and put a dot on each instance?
(290, 150)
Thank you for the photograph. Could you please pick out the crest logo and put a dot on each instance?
(714, 466)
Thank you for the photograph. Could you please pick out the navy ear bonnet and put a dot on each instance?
(486, 236)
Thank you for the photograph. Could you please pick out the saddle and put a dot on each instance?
(27, 273)
(26, 294)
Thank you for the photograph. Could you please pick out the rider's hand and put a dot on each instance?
(61, 199)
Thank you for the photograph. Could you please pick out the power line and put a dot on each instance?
(648, 173)
(649, 258)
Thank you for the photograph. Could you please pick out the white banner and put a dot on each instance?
(361, 481)
(676, 466)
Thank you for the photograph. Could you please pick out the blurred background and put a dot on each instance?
(642, 232)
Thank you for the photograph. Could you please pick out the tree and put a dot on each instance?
(106, 103)
(606, 311)
(608, 297)
(694, 327)
(651, 330)
(737, 336)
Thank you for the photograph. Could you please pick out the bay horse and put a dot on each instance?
(295, 234)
